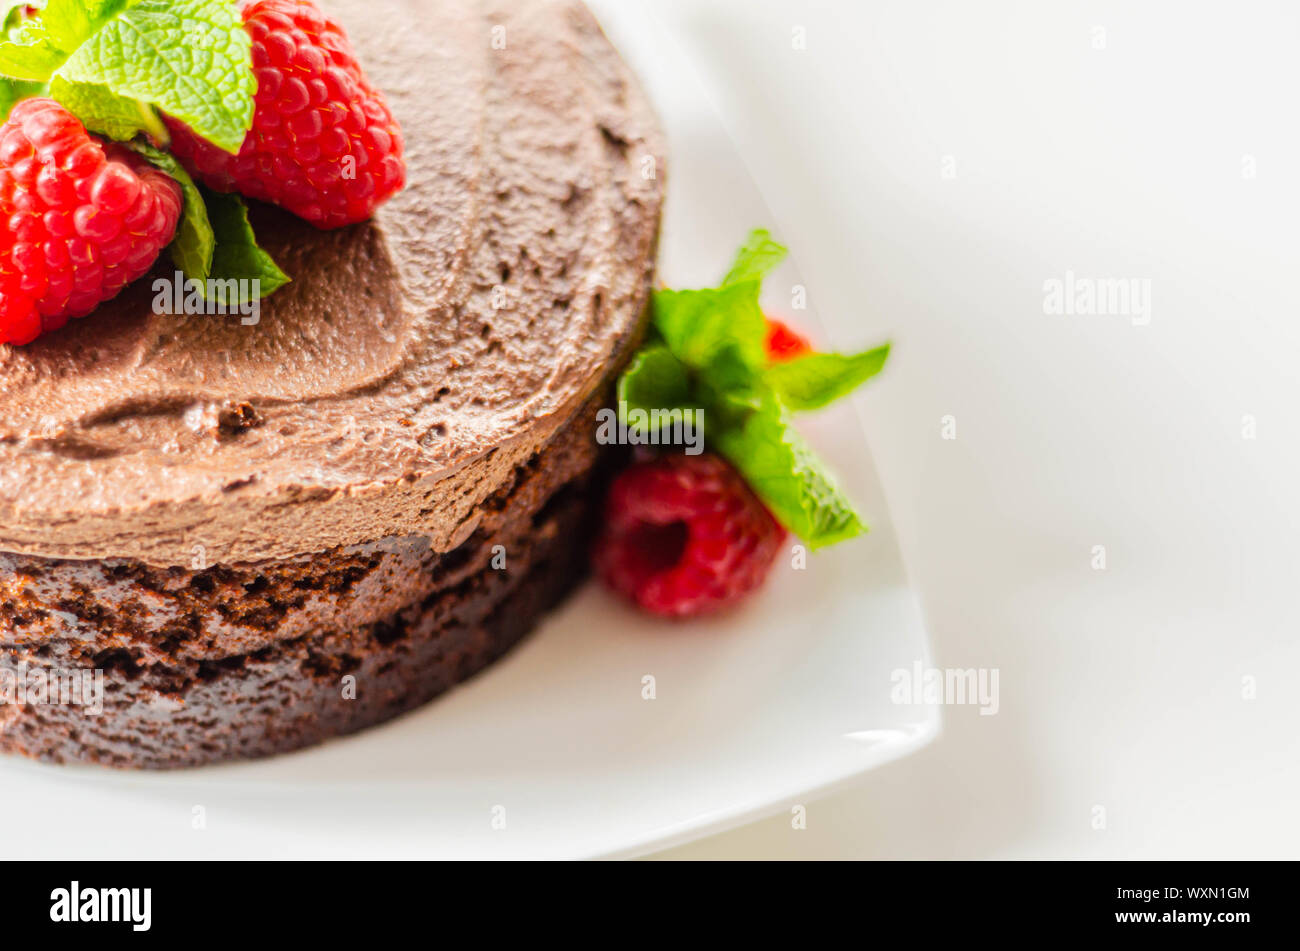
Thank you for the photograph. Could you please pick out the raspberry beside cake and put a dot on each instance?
(390, 475)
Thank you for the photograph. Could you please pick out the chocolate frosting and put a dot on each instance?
(415, 361)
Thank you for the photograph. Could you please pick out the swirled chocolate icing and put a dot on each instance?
(414, 361)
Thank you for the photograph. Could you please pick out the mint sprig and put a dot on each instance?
(105, 112)
(819, 379)
(114, 63)
(190, 58)
(214, 239)
(787, 475)
(195, 241)
(13, 91)
(698, 326)
(655, 380)
(707, 352)
(117, 65)
(237, 255)
(38, 46)
(758, 257)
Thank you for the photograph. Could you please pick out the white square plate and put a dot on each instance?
(752, 712)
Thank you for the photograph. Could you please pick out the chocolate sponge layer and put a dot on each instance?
(235, 662)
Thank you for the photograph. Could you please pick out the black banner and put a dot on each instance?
(137, 901)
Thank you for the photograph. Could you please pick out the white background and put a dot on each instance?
(1115, 140)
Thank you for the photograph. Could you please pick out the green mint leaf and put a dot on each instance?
(698, 325)
(757, 259)
(30, 55)
(654, 381)
(103, 111)
(69, 23)
(729, 371)
(238, 257)
(817, 379)
(195, 241)
(787, 475)
(37, 47)
(13, 91)
(214, 241)
(190, 58)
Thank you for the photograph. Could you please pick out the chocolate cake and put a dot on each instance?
(269, 535)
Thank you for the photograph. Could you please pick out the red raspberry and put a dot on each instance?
(323, 144)
(78, 220)
(684, 535)
(783, 343)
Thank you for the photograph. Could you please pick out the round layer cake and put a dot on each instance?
(267, 535)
